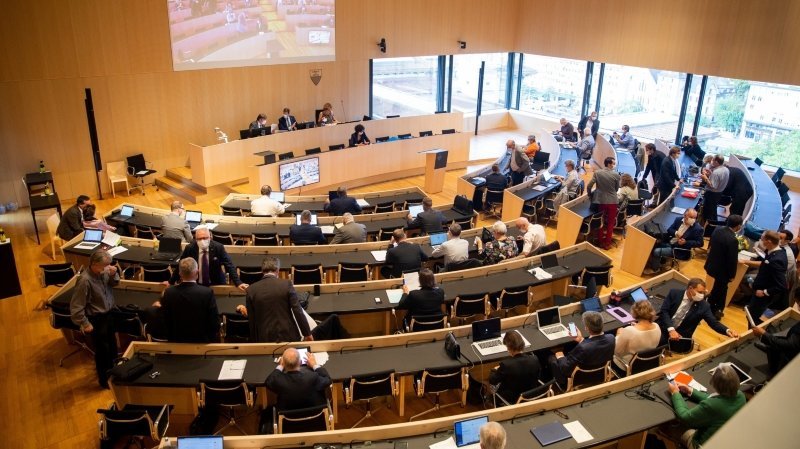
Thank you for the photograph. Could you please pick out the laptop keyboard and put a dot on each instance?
(489, 344)
(552, 330)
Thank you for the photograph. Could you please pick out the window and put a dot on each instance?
(552, 87)
(647, 100)
(465, 81)
(753, 119)
(691, 107)
(404, 86)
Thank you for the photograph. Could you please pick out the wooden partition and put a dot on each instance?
(602, 150)
(638, 244)
(292, 199)
(512, 204)
(569, 222)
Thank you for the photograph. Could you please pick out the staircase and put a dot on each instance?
(178, 181)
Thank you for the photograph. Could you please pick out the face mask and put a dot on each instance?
(690, 221)
(204, 244)
(698, 297)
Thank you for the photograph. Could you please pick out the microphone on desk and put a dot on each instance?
(220, 349)
(275, 352)
(341, 350)
(528, 318)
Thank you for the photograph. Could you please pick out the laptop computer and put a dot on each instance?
(593, 305)
(438, 238)
(639, 294)
(313, 219)
(278, 196)
(547, 178)
(200, 442)
(91, 239)
(125, 213)
(467, 432)
(549, 322)
(194, 218)
(551, 265)
(486, 338)
(168, 249)
(414, 210)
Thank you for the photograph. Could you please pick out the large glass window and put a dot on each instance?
(465, 81)
(752, 118)
(552, 87)
(647, 100)
(404, 86)
(691, 106)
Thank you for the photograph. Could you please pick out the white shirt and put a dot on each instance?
(453, 250)
(265, 205)
(534, 238)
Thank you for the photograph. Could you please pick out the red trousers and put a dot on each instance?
(605, 233)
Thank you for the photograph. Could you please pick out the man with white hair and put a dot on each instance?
(350, 231)
(190, 310)
(532, 234)
(492, 436)
(174, 226)
(211, 257)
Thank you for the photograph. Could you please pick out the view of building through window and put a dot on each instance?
(404, 86)
(465, 81)
(552, 87)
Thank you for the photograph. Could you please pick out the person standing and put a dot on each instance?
(607, 182)
(71, 223)
(190, 310)
(683, 310)
(670, 174)
(567, 130)
(589, 121)
(655, 159)
(520, 163)
(174, 226)
(769, 285)
(739, 189)
(211, 257)
(273, 310)
(716, 182)
(91, 308)
(722, 261)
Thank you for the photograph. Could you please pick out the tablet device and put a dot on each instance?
(278, 196)
(743, 376)
(313, 219)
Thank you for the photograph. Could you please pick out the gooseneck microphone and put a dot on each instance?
(219, 349)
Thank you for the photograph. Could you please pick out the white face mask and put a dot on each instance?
(690, 221)
(204, 244)
(698, 297)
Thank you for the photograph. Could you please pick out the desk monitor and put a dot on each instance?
(313, 219)
(285, 156)
(336, 147)
(200, 442)
(468, 431)
(278, 196)
(382, 139)
(548, 317)
(449, 131)
(305, 125)
(299, 173)
(244, 133)
(404, 136)
(256, 132)
(546, 176)
(425, 133)
(415, 210)
(126, 211)
(194, 216)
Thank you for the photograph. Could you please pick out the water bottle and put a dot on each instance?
(155, 244)
(2, 236)
(41, 167)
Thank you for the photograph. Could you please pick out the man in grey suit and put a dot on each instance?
(605, 196)
(350, 232)
(520, 163)
(174, 226)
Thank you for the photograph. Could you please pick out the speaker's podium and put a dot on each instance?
(435, 167)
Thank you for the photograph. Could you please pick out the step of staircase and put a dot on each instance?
(178, 181)
(179, 189)
(183, 175)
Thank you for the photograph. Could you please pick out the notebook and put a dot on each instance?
(194, 218)
(593, 305)
(168, 249)
(414, 210)
(467, 432)
(200, 442)
(550, 433)
(313, 219)
(549, 322)
(621, 315)
(438, 238)
(278, 196)
(91, 239)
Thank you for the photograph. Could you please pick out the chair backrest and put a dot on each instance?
(116, 169)
(222, 237)
(115, 424)
(61, 318)
(441, 380)
(353, 272)
(463, 265)
(646, 360)
(595, 221)
(385, 234)
(387, 206)
(144, 232)
(137, 162)
(494, 196)
(635, 207)
(52, 224)
(339, 146)
(601, 275)
(542, 391)
(307, 274)
(129, 323)
(57, 273)
(587, 377)
(235, 327)
(513, 298)
(412, 202)
(370, 386)
(250, 275)
(550, 247)
(226, 393)
(310, 419)
(266, 240)
(155, 273)
(776, 178)
(468, 306)
(231, 211)
(427, 322)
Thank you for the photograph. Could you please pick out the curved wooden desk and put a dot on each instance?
(316, 203)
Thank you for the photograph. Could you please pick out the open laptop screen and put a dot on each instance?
(93, 235)
(546, 175)
(415, 210)
(468, 431)
(200, 442)
(549, 261)
(126, 211)
(438, 238)
(638, 295)
(548, 317)
(485, 329)
(169, 245)
(194, 216)
(591, 304)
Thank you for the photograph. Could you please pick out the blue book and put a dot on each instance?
(550, 433)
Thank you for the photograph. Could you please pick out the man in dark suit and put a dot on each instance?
(739, 189)
(287, 121)
(682, 312)
(189, 309)
(72, 221)
(723, 250)
(211, 257)
(769, 285)
(403, 256)
(342, 204)
(589, 121)
(780, 350)
(683, 233)
(655, 159)
(669, 174)
(298, 385)
(496, 180)
(305, 233)
(273, 309)
(517, 374)
(591, 352)
(429, 221)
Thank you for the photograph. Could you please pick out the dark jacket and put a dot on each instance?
(582, 125)
(590, 353)
(654, 166)
(693, 237)
(71, 223)
(771, 274)
(406, 256)
(283, 126)
(343, 204)
(428, 221)
(516, 375)
(217, 258)
(299, 389)
(496, 181)
(723, 251)
(355, 139)
(667, 177)
(425, 301)
(190, 313)
(738, 184)
(306, 234)
(695, 153)
(698, 311)
(274, 312)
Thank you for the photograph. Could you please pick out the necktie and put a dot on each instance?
(205, 278)
(683, 310)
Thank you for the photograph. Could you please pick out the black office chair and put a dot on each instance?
(128, 326)
(368, 387)
(352, 272)
(550, 211)
(144, 232)
(463, 265)
(316, 150)
(438, 381)
(596, 277)
(271, 239)
(640, 362)
(680, 346)
(778, 175)
(513, 298)
(135, 422)
(758, 161)
(250, 275)
(588, 377)
(227, 394)
(549, 248)
(307, 274)
(543, 390)
(470, 307)
(139, 168)
(385, 234)
(494, 203)
(57, 274)
(591, 224)
(226, 238)
(151, 272)
(635, 207)
(680, 255)
(541, 160)
(412, 202)
(155, 335)
(235, 328)
(287, 155)
(311, 419)
(231, 211)
(61, 319)
(421, 323)
(622, 222)
(336, 147)
(466, 223)
(387, 206)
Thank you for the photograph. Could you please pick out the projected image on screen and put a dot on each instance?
(299, 173)
(218, 33)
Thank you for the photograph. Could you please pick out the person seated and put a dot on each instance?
(683, 310)
(71, 223)
(625, 140)
(533, 147)
(780, 350)
(455, 249)
(350, 231)
(264, 206)
(298, 385)
(533, 236)
(287, 122)
(643, 335)
(496, 180)
(342, 204)
(713, 410)
(591, 352)
(359, 137)
(570, 185)
(585, 148)
(492, 435)
(90, 220)
(517, 374)
(429, 221)
(567, 131)
(260, 122)
(627, 191)
(500, 248)
(305, 233)
(190, 309)
(326, 115)
(402, 256)
(693, 150)
(428, 300)
(684, 233)
(174, 226)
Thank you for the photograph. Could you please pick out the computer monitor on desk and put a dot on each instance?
(256, 132)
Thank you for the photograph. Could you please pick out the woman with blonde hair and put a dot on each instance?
(643, 335)
(627, 191)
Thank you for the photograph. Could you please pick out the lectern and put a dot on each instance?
(435, 167)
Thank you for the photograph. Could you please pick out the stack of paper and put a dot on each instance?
(394, 295)
(576, 429)
(379, 256)
(232, 370)
(678, 210)
(116, 250)
(540, 274)
(411, 280)
(327, 229)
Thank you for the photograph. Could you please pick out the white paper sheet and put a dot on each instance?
(111, 239)
(678, 210)
(449, 443)
(411, 280)
(116, 250)
(379, 256)
(362, 202)
(211, 226)
(576, 429)
(232, 370)
(540, 274)
(327, 229)
(539, 188)
(394, 295)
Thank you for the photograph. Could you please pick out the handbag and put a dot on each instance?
(126, 369)
(451, 346)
